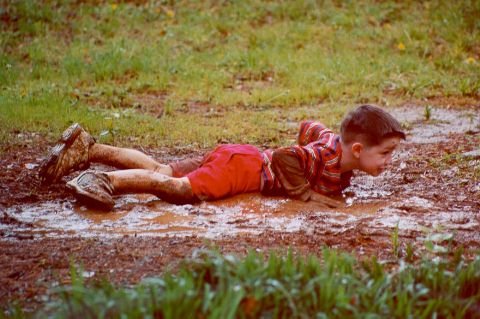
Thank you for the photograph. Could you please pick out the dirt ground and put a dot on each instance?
(431, 194)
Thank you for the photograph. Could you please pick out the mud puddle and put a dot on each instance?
(145, 215)
(408, 196)
(432, 125)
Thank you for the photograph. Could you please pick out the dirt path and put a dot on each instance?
(431, 194)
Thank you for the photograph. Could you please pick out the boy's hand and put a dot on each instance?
(325, 201)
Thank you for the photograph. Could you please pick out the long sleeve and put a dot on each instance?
(310, 131)
(289, 171)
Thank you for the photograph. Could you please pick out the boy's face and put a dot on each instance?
(374, 159)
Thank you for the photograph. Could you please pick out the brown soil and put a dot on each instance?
(429, 189)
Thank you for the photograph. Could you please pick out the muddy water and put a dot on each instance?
(440, 123)
(374, 205)
(146, 215)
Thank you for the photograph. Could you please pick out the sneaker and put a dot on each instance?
(94, 189)
(68, 155)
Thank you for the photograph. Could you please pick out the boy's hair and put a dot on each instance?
(370, 125)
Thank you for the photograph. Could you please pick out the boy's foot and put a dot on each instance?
(69, 154)
(94, 189)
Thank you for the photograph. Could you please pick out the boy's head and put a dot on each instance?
(371, 134)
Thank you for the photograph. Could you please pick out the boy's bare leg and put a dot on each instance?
(76, 149)
(170, 189)
(125, 158)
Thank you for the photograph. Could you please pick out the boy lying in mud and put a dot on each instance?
(319, 166)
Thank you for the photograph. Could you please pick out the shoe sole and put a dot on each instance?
(71, 133)
(87, 197)
(67, 138)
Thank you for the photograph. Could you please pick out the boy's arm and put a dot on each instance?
(288, 170)
(310, 131)
(325, 200)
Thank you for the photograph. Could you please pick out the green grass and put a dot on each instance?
(255, 63)
(211, 285)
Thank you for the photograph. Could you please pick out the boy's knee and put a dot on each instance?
(163, 169)
(176, 191)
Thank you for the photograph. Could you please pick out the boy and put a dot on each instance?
(320, 165)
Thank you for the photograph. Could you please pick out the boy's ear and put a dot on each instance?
(357, 149)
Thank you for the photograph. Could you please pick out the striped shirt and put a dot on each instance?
(319, 152)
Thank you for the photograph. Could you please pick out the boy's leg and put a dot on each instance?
(76, 149)
(171, 189)
(97, 188)
(125, 158)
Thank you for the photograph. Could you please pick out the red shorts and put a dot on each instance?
(228, 170)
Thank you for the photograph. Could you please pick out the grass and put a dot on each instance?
(211, 285)
(395, 243)
(256, 65)
(427, 113)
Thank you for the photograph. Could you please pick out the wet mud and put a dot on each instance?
(431, 193)
(146, 215)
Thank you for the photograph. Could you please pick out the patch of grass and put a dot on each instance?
(260, 57)
(337, 286)
(409, 254)
(395, 243)
(427, 113)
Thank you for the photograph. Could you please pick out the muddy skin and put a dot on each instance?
(430, 188)
(124, 158)
(175, 192)
(170, 189)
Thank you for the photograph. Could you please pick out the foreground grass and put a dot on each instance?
(202, 72)
(211, 285)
